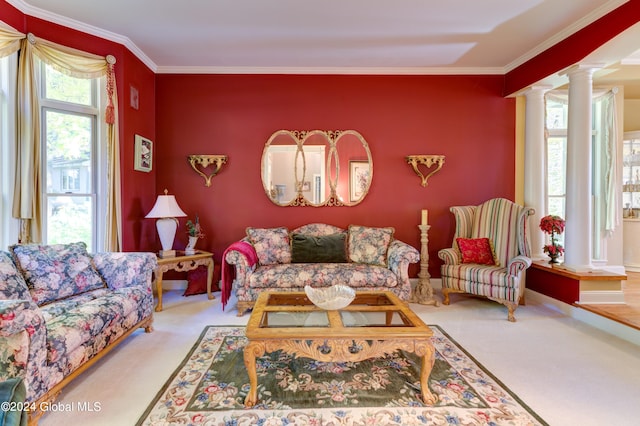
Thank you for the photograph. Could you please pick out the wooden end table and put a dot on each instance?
(183, 262)
(374, 324)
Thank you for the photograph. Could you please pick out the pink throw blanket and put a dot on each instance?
(228, 270)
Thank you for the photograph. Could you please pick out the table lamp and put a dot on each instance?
(166, 210)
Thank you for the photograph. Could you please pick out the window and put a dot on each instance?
(71, 152)
(557, 113)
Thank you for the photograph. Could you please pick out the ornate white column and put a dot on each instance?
(578, 236)
(534, 165)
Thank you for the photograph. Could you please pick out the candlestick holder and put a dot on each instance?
(423, 292)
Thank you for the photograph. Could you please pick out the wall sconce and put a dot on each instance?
(428, 161)
(204, 161)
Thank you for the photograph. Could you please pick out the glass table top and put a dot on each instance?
(284, 310)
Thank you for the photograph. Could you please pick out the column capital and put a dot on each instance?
(536, 90)
(584, 68)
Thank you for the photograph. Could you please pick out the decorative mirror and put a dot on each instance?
(316, 168)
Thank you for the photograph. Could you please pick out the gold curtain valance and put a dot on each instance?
(9, 40)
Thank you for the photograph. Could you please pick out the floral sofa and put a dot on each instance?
(319, 255)
(62, 309)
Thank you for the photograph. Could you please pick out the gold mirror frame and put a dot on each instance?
(322, 159)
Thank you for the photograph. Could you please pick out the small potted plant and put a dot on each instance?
(194, 230)
(554, 226)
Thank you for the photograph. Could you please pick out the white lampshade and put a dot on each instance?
(166, 206)
(166, 210)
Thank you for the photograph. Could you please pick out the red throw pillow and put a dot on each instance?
(197, 281)
(476, 250)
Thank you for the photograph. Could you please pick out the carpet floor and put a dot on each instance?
(211, 383)
(566, 370)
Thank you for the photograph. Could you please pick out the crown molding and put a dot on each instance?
(36, 12)
(332, 70)
(125, 41)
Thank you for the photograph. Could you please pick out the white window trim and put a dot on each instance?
(9, 226)
(99, 160)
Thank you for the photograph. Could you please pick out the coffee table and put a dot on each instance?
(374, 324)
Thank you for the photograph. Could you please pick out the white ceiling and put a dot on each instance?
(327, 36)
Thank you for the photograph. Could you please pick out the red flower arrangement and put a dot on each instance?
(553, 225)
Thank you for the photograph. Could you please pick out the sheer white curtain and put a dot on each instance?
(28, 181)
(609, 136)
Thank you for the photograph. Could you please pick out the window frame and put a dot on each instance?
(97, 194)
(9, 226)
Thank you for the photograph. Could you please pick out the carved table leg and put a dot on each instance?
(252, 351)
(427, 352)
(159, 289)
(209, 279)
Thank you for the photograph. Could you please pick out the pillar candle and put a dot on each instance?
(424, 217)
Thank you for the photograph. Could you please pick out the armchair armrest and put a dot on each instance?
(450, 256)
(126, 269)
(518, 264)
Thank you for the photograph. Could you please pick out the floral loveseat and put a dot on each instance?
(318, 255)
(62, 309)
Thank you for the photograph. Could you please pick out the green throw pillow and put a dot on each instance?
(324, 249)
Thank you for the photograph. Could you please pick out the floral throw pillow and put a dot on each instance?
(271, 244)
(476, 250)
(369, 245)
(56, 271)
(12, 285)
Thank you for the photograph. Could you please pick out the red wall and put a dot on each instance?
(138, 188)
(464, 118)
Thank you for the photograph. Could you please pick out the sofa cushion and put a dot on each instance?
(56, 271)
(476, 250)
(369, 245)
(297, 275)
(324, 249)
(470, 275)
(73, 325)
(12, 284)
(271, 244)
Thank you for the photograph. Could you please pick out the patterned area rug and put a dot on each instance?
(210, 385)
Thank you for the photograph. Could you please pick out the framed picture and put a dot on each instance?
(306, 186)
(134, 97)
(143, 160)
(359, 172)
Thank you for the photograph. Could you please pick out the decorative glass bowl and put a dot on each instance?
(331, 298)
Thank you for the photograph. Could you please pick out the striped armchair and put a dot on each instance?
(504, 223)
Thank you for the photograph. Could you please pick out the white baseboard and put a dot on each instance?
(602, 297)
(174, 284)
